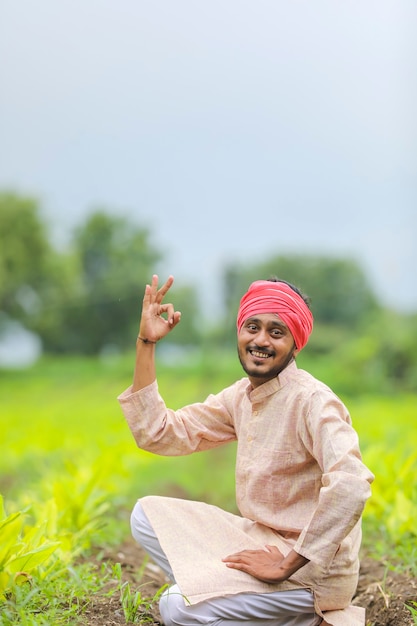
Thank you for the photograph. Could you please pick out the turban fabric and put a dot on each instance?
(265, 296)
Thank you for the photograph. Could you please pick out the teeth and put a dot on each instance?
(260, 355)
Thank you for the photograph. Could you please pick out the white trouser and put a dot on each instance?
(279, 608)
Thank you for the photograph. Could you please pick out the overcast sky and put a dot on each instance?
(235, 130)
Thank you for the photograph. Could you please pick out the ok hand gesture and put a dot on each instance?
(157, 319)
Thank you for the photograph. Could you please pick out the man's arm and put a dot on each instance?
(157, 320)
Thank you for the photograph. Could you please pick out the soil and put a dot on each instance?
(384, 594)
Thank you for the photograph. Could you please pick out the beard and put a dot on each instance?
(259, 371)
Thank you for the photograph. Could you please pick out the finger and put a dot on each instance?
(147, 299)
(150, 290)
(177, 318)
(154, 284)
(240, 566)
(169, 309)
(174, 318)
(231, 556)
(274, 549)
(165, 288)
(240, 557)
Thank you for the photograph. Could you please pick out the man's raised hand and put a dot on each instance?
(158, 318)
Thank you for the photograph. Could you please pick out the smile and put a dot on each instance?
(260, 355)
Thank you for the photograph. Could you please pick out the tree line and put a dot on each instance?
(86, 298)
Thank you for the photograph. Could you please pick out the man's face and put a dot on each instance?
(265, 347)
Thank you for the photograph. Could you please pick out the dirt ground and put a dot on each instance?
(382, 593)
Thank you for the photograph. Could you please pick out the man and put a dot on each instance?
(291, 557)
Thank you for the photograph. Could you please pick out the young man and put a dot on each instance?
(291, 557)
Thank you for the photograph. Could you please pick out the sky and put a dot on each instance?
(234, 130)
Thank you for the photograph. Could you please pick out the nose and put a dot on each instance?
(262, 338)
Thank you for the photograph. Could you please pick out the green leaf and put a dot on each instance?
(27, 562)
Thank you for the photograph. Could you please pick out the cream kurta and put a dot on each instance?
(300, 483)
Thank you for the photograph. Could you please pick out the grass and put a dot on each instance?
(137, 608)
(412, 607)
(70, 472)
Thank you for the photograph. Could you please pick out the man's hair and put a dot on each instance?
(307, 299)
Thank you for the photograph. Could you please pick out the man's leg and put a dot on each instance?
(279, 608)
(145, 535)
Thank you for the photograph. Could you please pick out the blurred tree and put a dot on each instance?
(24, 257)
(62, 294)
(339, 291)
(393, 338)
(114, 258)
(367, 346)
(84, 299)
(380, 357)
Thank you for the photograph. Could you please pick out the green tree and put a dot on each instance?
(339, 291)
(366, 346)
(87, 297)
(25, 255)
(61, 296)
(390, 345)
(114, 257)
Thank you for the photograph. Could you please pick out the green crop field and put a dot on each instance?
(70, 472)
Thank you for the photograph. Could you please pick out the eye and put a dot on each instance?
(276, 332)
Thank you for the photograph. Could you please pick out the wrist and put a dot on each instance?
(145, 340)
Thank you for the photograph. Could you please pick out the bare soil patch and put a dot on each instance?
(384, 594)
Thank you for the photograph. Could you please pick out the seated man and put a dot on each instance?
(291, 557)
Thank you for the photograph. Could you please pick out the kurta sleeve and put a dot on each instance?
(163, 431)
(345, 483)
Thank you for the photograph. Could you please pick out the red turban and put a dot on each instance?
(265, 296)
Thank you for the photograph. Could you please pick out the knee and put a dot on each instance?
(139, 523)
(171, 607)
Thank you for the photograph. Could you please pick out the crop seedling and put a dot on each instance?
(136, 608)
(22, 550)
(412, 607)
